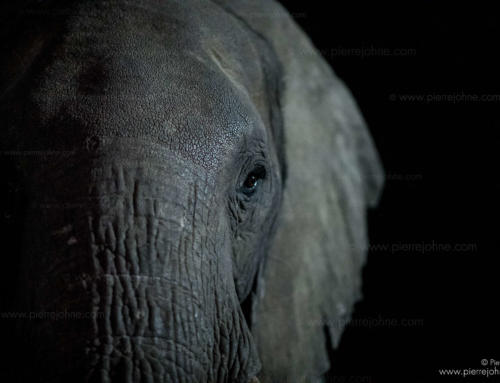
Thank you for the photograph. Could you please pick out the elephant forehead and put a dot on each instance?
(172, 76)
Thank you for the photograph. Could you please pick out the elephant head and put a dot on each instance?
(194, 181)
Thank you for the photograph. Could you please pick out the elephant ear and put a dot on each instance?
(312, 277)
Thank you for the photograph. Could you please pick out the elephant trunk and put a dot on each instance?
(129, 279)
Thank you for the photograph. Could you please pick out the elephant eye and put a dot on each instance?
(254, 178)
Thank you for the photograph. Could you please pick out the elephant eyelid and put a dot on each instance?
(253, 180)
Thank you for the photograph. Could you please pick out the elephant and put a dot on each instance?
(186, 191)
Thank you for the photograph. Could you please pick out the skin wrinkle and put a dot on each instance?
(274, 84)
(115, 111)
(166, 216)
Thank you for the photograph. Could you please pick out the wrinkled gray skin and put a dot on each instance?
(195, 181)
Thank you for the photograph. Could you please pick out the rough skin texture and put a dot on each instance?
(190, 178)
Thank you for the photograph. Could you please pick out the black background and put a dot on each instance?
(439, 309)
(441, 186)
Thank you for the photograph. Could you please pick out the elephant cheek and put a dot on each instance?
(133, 286)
